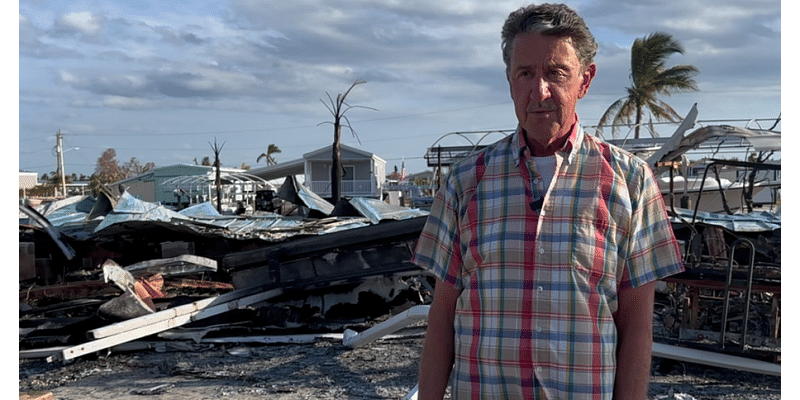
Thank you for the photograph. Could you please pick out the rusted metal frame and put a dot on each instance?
(700, 192)
(725, 309)
(672, 166)
(715, 162)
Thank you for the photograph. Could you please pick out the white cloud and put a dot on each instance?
(122, 102)
(84, 22)
(67, 77)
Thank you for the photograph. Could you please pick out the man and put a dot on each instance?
(545, 245)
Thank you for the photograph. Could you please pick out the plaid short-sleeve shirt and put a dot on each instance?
(540, 268)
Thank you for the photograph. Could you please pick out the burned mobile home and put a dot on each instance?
(88, 263)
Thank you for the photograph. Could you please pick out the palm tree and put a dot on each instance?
(217, 149)
(337, 110)
(650, 78)
(271, 149)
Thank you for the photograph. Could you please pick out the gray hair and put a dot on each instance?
(550, 20)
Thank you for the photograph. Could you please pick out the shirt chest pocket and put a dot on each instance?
(596, 255)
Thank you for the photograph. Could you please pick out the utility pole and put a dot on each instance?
(60, 166)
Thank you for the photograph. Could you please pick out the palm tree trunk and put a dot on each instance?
(336, 174)
(638, 121)
(218, 184)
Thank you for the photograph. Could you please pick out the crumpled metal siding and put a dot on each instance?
(208, 214)
(129, 208)
(202, 210)
(757, 221)
(68, 211)
(377, 210)
(314, 202)
(131, 213)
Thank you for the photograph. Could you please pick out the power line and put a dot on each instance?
(289, 127)
(433, 112)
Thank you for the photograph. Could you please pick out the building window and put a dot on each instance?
(349, 173)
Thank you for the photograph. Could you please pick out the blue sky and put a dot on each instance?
(159, 81)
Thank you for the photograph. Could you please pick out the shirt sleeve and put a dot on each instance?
(439, 246)
(653, 252)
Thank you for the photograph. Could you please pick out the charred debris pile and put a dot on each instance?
(115, 273)
(729, 298)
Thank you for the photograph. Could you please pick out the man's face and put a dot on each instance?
(546, 81)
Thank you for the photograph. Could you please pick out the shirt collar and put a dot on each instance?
(570, 146)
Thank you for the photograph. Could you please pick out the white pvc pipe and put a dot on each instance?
(391, 325)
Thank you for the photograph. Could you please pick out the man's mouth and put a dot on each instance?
(540, 110)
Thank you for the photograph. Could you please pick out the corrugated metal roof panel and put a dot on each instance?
(129, 208)
(758, 221)
(377, 210)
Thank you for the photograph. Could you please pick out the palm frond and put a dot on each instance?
(650, 78)
(612, 110)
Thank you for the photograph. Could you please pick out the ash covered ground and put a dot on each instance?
(324, 369)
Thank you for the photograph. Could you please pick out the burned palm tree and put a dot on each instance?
(338, 108)
(217, 149)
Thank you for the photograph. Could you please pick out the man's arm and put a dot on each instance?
(437, 353)
(634, 320)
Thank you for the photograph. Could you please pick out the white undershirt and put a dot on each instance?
(546, 167)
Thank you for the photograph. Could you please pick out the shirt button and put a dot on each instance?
(538, 329)
(539, 288)
(538, 369)
(541, 250)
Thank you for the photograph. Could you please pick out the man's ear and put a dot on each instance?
(588, 75)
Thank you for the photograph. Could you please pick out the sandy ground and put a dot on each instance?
(325, 369)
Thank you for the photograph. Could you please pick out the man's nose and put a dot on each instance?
(540, 90)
